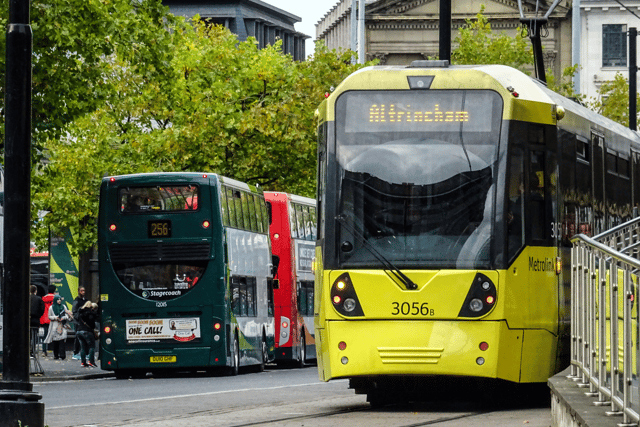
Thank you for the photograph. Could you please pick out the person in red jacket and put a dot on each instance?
(44, 320)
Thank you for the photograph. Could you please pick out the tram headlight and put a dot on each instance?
(349, 304)
(476, 305)
(344, 297)
(481, 298)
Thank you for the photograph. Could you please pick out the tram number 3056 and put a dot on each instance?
(413, 309)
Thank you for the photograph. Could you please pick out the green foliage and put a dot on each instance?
(210, 103)
(565, 85)
(478, 44)
(613, 101)
(73, 41)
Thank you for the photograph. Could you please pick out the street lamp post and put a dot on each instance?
(19, 405)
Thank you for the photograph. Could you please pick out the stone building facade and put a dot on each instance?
(247, 18)
(604, 47)
(400, 31)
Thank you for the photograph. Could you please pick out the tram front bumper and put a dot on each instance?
(372, 348)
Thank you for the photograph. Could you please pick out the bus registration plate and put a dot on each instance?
(163, 359)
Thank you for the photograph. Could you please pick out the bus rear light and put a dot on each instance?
(484, 346)
(342, 346)
(490, 299)
(344, 360)
(341, 285)
(285, 331)
(112, 227)
(337, 299)
(217, 326)
(112, 179)
(204, 175)
(107, 341)
(276, 236)
(480, 361)
(107, 329)
(206, 224)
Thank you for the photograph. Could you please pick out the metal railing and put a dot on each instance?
(604, 318)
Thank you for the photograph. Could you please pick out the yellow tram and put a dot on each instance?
(446, 199)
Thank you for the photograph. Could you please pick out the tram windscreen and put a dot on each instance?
(418, 187)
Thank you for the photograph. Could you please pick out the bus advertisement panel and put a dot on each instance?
(293, 235)
(185, 274)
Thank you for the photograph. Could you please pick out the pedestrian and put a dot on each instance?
(78, 303)
(44, 320)
(59, 317)
(36, 310)
(87, 317)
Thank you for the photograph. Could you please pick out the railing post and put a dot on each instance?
(628, 345)
(614, 355)
(602, 333)
(592, 355)
(574, 312)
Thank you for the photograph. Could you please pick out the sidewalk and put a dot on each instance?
(67, 369)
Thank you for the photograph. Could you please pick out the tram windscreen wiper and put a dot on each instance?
(391, 270)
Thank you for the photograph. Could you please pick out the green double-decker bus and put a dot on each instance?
(186, 274)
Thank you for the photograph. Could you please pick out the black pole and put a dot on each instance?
(19, 405)
(633, 83)
(445, 30)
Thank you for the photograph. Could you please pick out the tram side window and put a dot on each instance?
(305, 298)
(243, 296)
(635, 157)
(536, 195)
(516, 207)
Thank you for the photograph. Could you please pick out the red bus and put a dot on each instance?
(293, 237)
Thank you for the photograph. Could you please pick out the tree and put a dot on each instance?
(73, 41)
(218, 105)
(613, 101)
(478, 44)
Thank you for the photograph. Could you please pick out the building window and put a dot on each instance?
(614, 45)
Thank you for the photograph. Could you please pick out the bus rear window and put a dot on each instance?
(169, 198)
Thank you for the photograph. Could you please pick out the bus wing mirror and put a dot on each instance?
(276, 284)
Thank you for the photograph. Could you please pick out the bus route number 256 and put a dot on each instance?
(413, 309)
